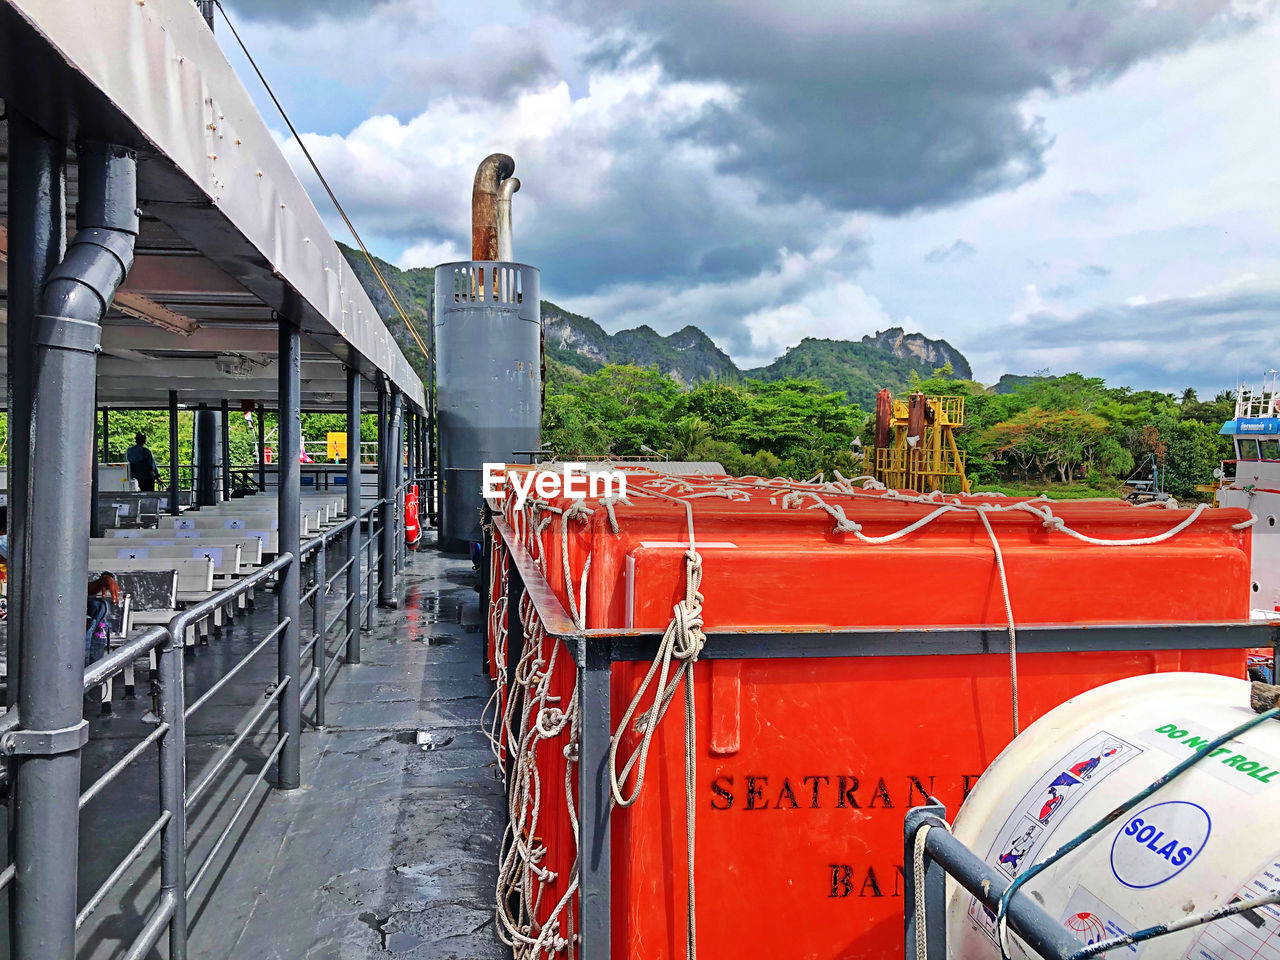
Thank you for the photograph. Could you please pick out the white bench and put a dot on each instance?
(268, 541)
(195, 583)
(261, 520)
(226, 558)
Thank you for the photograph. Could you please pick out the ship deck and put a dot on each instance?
(388, 849)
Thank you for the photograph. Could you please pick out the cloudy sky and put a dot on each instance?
(1089, 186)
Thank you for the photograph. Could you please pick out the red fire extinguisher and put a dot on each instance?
(412, 530)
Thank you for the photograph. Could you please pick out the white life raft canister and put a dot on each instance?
(1204, 840)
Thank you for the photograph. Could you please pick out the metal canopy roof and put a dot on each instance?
(228, 233)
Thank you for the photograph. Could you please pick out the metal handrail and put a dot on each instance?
(338, 616)
(223, 680)
(114, 877)
(154, 926)
(169, 734)
(117, 768)
(235, 817)
(114, 663)
(224, 757)
(178, 625)
(944, 856)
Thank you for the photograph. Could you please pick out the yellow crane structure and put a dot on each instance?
(916, 443)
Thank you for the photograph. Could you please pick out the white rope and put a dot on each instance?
(522, 878)
(681, 642)
(608, 504)
(577, 606)
(1008, 610)
(917, 876)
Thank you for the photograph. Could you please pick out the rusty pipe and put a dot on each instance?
(505, 238)
(484, 204)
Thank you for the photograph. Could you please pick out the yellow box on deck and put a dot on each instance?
(336, 445)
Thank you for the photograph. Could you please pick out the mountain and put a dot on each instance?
(859, 368)
(1013, 382)
(886, 358)
(916, 346)
(688, 356)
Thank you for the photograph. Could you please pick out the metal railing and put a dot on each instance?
(325, 661)
(169, 736)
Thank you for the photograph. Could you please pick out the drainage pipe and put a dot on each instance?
(66, 338)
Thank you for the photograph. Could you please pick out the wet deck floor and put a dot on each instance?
(388, 850)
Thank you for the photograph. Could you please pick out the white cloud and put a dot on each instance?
(840, 310)
(430, 253)
(1158, 177)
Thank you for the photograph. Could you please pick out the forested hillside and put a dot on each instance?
(1071, 435)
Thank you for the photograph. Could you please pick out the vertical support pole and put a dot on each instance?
(433, 511)
(173, 787)
(226, 451)
(173, 452)
(353, 510)
(262, 445)
(289, 432)
(66, 336)
(935, 888)
(371, 544)
(195, 422)
(207, 460)
(37, 235)
(319, 656)
(386, 496)
(595, 797)
(397, 535)
(106, 435)
(95, 522)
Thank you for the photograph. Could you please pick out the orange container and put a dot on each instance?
(805, 766)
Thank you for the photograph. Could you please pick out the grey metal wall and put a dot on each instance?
(488, 330)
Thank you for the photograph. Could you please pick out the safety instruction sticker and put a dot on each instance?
(1091, 921)
(1242, 766)
(1038, 812)
(1252, 935)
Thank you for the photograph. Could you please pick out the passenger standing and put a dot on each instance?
(142, 465)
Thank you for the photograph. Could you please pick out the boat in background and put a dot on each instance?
(1252, 480)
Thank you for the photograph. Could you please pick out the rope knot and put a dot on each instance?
(608, 504)
(578, 510)
(551, 721)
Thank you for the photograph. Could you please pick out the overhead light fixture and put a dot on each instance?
(144, 308)
(238, 366)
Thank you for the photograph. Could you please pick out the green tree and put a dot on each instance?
(690, 438)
